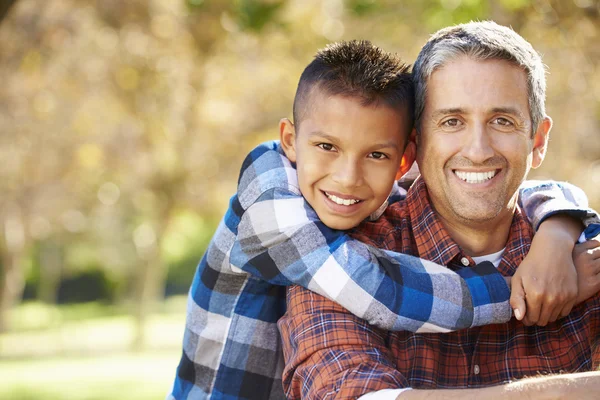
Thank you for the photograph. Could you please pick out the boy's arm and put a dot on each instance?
(587, 263)
(543, 199)
(545, 283)
(280, 239)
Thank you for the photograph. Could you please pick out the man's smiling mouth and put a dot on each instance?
(475, 177)
(341, 202)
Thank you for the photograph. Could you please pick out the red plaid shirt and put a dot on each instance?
(330, 352)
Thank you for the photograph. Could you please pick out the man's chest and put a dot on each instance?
(495, 354)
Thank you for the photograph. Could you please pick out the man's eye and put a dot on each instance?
(325, 146)
(451, 123)
(503, 121)
(378, 156)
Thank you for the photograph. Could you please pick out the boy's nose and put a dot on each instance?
(348, 174)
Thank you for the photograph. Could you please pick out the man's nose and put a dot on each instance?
(477, 145)
(348, 172)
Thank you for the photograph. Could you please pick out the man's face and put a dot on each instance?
(476, 145)
(346, 156)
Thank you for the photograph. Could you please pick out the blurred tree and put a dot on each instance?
(120, 117)
(5, 5)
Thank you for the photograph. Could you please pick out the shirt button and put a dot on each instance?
(476, 369)
(464, 261)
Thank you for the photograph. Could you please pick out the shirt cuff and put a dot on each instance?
(489, 292)
(585, 215)
(590, 232)
(384, 394)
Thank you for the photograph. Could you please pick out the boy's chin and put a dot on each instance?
(340, 223)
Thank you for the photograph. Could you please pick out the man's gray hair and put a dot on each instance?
(483, 40)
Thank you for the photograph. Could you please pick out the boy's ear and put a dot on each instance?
(287, 135)
(408, 158)
(414, 136)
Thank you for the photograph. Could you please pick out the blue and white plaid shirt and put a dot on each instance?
(271, 238)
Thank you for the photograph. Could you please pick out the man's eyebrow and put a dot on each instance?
(445, 111)
(457, 110)
(509, 110)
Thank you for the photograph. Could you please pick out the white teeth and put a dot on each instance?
(475, 177)
(341, 202)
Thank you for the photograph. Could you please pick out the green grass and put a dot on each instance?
(148, 375)
(82, 352)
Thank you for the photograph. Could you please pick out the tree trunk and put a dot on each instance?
(5, 7)
(11, 285)
(51, 265)
(149, 288)
(148, 295)
(12, 247)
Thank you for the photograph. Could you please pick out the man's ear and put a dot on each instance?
(287, 135)
(408, 158)
(540, 142)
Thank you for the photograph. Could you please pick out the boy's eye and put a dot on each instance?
(451, 123)
(378, 155)
(326, 146)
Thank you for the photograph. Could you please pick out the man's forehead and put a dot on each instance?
(465, 84)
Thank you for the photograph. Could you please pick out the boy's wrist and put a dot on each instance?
(561, 227)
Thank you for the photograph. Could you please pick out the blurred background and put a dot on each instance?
(123, 124)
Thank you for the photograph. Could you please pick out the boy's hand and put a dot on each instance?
(587, 262)
(544, 287)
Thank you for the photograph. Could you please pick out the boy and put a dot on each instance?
(353, 115)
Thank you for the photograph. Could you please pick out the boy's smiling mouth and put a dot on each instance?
(340, 201)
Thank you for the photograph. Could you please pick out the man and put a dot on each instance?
(480, 126)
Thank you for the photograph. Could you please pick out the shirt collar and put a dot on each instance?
(435, 244)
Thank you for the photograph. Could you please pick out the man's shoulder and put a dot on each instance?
(389, 231)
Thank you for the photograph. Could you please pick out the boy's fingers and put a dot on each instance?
(545, 314)
(534, 309)
(555, 314)
(594, 252)
(566, 309)
(590, 244)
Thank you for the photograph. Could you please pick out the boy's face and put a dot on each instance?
(346, 155)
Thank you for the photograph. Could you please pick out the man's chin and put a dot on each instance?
(477, 215)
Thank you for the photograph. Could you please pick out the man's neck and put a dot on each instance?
(480, 238)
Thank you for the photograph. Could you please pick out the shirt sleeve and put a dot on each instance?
(542, 199)
(280, 239)
(331, 353)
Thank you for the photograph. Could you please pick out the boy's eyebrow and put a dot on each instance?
(386, 145)
(330, 138)
(323, 135)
